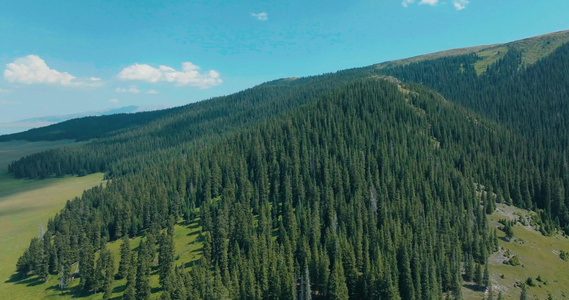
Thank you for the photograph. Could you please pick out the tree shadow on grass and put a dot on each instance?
(193, 225)
(195, 232)
(474, 287)
(155, 289)
(191, 264)
(119, 289)
(27, 280)
(16, 278)
(35, 281)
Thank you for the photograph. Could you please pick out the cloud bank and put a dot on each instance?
(458, 4)
(189, 75)
(33, 70)
(262, 16)
(429, 2)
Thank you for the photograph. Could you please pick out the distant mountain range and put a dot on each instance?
(25, 124)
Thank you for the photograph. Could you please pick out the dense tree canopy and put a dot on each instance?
(352, 185)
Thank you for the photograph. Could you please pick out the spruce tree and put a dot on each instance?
(87, 266)
(109, 275)
(306, 293)
(130, 290)
(166, 256)
(42, 264)
(337, 288)
(486, 276)
(478, 275)
(143, 273)
(24, 265)
(125, 258)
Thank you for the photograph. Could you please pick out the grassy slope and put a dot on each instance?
(24, 204)
(532, 50)
(538, 254)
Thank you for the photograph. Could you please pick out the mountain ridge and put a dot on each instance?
(31, 123)
(364, 183)
(536, 47)
(532, 49)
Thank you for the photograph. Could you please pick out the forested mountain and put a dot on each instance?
(368, 183)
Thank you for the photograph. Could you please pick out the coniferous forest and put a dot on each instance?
(369, 183)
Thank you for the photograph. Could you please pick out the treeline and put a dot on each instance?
(195, 124)
(351, 196)
(86, 128)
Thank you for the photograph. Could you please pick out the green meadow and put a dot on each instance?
(538, 257)
(25, 205)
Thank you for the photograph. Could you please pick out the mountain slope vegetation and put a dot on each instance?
(370, 182)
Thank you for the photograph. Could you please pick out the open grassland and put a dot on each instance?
(538, 256)
(25, 204)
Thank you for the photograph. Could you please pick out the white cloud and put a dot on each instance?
(460, 4)
(153, 92)
(263, 16)
(430, 2)
(4, 92)
(189, 75)
(114, 100)
(131, 89)
(33, 70)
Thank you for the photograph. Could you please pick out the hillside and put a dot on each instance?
(533, 49)
(360, 184)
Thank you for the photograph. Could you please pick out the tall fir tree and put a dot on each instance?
(124, 263)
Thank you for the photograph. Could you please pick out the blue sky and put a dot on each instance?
(62, 57)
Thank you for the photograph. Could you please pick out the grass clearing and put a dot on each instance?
(488, 57)
(538, 255)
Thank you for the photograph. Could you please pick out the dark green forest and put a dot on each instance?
(366, 183)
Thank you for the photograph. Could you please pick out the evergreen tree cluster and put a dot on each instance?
(351, 196)
(531, 101)
(327, 187)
